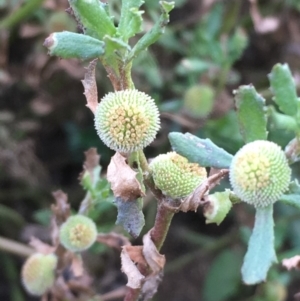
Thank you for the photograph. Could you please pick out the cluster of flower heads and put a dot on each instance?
(127, 120)
(175, 176)
(77, 233)
(259, 173)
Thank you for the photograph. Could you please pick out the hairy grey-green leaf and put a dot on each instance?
(131, 19)
(156, 31)
(261, 252)
(284, 89)
(93, 15)
(251, 115)
(74, 45)
(292, 196)
(130, 215)
(201, 151)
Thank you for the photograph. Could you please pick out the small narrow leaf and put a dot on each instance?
(284, 89)
(130, 215)
(251, 116)
(92, 14)
(292, 196)
(154, 34)
(261, 253)
(131, 19)
(201, 151)
(68, 45)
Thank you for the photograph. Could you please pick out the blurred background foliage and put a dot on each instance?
(209, 48)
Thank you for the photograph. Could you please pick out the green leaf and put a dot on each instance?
(114, 44)
(192, 65)
(154, 34)
(284, 89)
(292, 197)
(251, 116)
(261, 253)
(93, 15)
(130, 216)
(131, 19)
(227, 283)
(201, 151)
(74, 45)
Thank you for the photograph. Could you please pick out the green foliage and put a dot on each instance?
(250, 112)
(220, 286)
(73, 45)
(284, 89)
(201, 151)
(260, 254)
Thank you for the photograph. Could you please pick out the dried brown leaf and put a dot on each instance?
(292, 263)
(40, 246)
(92, 160)
(135, 278)
(262, 25)
(136, 254)
(193, 201)
(61, 209)
(155, 260)
(123, 179)
(77, 265)
(90, 86)
(113, 240)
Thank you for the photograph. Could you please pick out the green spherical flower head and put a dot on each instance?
(127, 121)
(198, 101)
(175, 176)
(78, 233)
(259, 173)
(38, 273)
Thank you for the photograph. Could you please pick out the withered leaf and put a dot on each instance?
(130, 215)
(262, 25)
(113, 240)
(136, 254)
(90, 86)
(193, 201)
(135, 278)
(92, 159)
(292, 263)
(40, 246)
(61, 209)
(77, 265)
(123, 179)
(155, 260)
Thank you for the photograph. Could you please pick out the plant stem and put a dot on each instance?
(22, 13)
(162, 224)
(16, 248)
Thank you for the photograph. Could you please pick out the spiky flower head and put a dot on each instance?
(78, 233)
(127, 121)
(259, 173)
(175, 176)
(38, 273)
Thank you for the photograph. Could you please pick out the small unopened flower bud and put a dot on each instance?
(198, 101)
(78, 233)
(217, 207)
(175, 176)
(38, 273)
(259, 173)
(127, 121)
